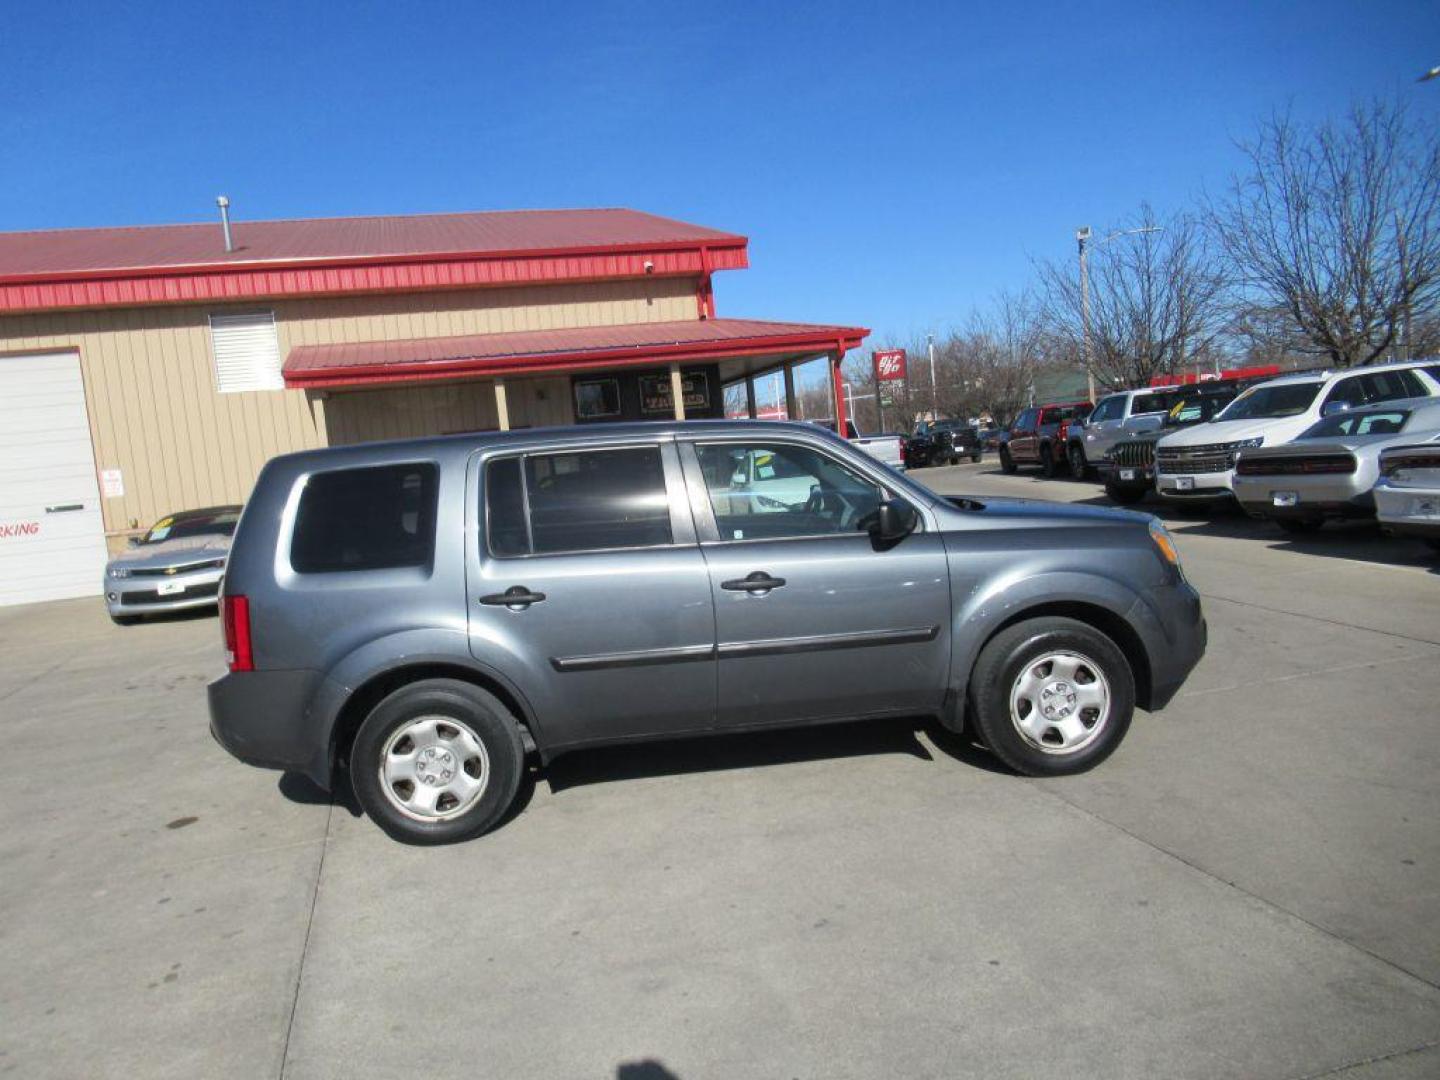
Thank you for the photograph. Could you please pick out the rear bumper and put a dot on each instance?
(263, 718)
(1400, 510)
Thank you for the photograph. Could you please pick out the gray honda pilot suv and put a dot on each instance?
(424, 613)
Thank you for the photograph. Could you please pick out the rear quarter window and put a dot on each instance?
(374, 518)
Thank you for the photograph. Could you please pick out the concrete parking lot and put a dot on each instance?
(1249, 888)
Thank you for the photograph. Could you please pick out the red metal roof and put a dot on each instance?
(531, 351)
(188, 263)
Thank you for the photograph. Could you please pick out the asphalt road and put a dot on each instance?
(1249, 888)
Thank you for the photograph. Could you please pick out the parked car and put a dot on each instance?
(422, 612)
(176, 565)
(1407, 494)
(1328, 471)
(887, 448)
(942, 442)
(1116, 417)
(1198, 463)
(1038, 437)
(1128, 468)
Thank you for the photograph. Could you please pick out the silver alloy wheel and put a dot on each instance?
(1060, 702)
(433, 768)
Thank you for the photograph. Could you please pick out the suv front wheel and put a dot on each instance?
(437, 761)
(1052, 696)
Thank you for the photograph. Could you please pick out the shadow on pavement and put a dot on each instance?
(748, 750)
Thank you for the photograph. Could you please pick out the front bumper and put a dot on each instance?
(1408, 511)
(1172, 625)
(152, 594)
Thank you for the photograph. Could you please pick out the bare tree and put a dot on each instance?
(987, 368)
(1157, 299)
(1338, 228)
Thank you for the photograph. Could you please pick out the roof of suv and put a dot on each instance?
(561, 436)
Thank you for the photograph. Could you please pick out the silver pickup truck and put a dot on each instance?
(887, 449)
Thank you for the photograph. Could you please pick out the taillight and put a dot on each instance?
(235, 614)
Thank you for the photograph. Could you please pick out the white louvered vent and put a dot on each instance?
(247, 352)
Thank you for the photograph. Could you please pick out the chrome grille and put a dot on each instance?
(1138, 454)
(1211, 458)
(171, 571)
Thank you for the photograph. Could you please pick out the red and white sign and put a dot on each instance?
(889, 365)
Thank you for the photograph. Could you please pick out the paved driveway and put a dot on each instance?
(1249, 888)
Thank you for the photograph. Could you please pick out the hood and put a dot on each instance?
(182, 552)
(1039, 513)
(1224, 431)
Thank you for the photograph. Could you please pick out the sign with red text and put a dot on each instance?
(889, 374)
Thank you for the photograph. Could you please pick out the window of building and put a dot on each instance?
(246, 349)
(376, 518)
(586, 500)
(769, 491)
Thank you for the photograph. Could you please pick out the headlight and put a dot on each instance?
(1250, 444)
(119, 572)
(1164, 543)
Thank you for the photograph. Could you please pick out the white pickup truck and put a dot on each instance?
(886, 449)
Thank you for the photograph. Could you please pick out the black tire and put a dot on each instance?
(1007, 463)
(1299, 526)
(1001, 663)
(1125, 496)
(954, 460)
(125, 620)
(478, 710)
(1079, 467)
(1047, 462)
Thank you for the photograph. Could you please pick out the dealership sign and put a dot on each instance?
(889, 373)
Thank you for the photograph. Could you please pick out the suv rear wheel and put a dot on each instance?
(437, 761)
(1052, 696)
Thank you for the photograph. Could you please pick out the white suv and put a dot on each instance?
(1198, 463)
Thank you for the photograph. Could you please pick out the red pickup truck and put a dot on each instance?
(1039, 436)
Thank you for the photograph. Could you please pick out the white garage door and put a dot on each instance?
(52, 537)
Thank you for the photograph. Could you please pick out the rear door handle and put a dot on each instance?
(517, 598)
(757, 582)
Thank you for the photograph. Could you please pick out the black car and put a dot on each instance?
(942, 442)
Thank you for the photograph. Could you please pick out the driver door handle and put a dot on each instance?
(757, 582)
(517, 597)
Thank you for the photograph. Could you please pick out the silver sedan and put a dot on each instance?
(1407, 495)
(1329, 470)
(175, 566)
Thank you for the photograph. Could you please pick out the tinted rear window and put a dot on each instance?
(366, 519)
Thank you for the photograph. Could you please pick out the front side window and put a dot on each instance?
(1025, 421)
(377, 518)
(767, 491)
(1109, 409)
(574, 501)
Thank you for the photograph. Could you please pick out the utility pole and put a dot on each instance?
(1082, 237)
(934, 393)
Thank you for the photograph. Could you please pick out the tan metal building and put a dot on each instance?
(145, 371)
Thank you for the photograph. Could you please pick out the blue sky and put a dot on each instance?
(893, 164)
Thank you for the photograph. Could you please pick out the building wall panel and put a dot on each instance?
(155, 413)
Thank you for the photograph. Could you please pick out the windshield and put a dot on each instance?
(1388, 422)
(1272, 402)
(180, 527)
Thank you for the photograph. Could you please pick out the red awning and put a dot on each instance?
(540, 351)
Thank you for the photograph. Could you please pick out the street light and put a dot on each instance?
(934, 393)
(1082, 238)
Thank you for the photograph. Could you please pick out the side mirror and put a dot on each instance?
(895, 519)
(1149, 423)
(738, 479)
(1330, 408)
